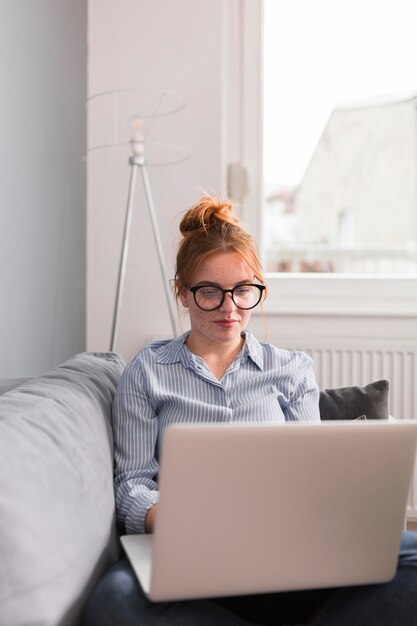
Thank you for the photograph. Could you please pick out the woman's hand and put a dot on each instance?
(150, 518)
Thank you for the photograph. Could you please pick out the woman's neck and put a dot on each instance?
(217, 356)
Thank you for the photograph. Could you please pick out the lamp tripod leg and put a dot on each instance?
(123, 257)
(159, 248)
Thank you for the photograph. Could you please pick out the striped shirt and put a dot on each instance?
(167, 384)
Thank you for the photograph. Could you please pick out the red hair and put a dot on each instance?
(208, 228)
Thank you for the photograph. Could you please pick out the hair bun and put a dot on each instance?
(206, 214)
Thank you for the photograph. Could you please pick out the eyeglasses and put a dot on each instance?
(210, 298)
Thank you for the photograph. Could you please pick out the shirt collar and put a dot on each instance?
(174, 351)
(253, 349)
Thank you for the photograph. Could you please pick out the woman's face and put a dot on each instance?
(225, 324)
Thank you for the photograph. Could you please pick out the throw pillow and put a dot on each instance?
(346, 403)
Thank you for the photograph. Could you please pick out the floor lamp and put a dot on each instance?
(142, 109)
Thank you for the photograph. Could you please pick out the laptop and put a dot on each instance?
(265, 508)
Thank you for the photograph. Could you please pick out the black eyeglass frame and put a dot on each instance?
(225, 291)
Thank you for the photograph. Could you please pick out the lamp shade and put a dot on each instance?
(151, 120)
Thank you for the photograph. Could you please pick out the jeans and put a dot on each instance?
(119, 601)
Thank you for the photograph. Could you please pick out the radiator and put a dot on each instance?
(342, 361)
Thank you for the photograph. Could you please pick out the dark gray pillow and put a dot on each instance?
(347, 403)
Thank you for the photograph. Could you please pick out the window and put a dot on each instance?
(342, 280)
(339, 136)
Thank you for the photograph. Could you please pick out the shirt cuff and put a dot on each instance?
(135, 520)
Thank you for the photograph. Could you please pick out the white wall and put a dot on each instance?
(177, 46)
(42, 216)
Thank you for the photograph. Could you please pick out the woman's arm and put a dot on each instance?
(135, 428)
(303, 405)
(150, 518)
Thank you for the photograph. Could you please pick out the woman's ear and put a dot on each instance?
(183, 294)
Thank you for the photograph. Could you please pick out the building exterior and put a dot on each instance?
(356, 206)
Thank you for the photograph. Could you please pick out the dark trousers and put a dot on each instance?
(119, 601)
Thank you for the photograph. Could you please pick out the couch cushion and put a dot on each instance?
(345, 403)
(7, 384)
(57, 518)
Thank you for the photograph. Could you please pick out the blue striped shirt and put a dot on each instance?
(167, 384)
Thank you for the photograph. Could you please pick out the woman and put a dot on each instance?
(216, 372)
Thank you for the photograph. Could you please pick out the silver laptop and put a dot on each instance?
(251, 509)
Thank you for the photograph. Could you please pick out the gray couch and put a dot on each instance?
(57, 519)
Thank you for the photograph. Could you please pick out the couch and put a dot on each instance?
(57, 518)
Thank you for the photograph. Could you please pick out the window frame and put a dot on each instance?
(308, 294)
